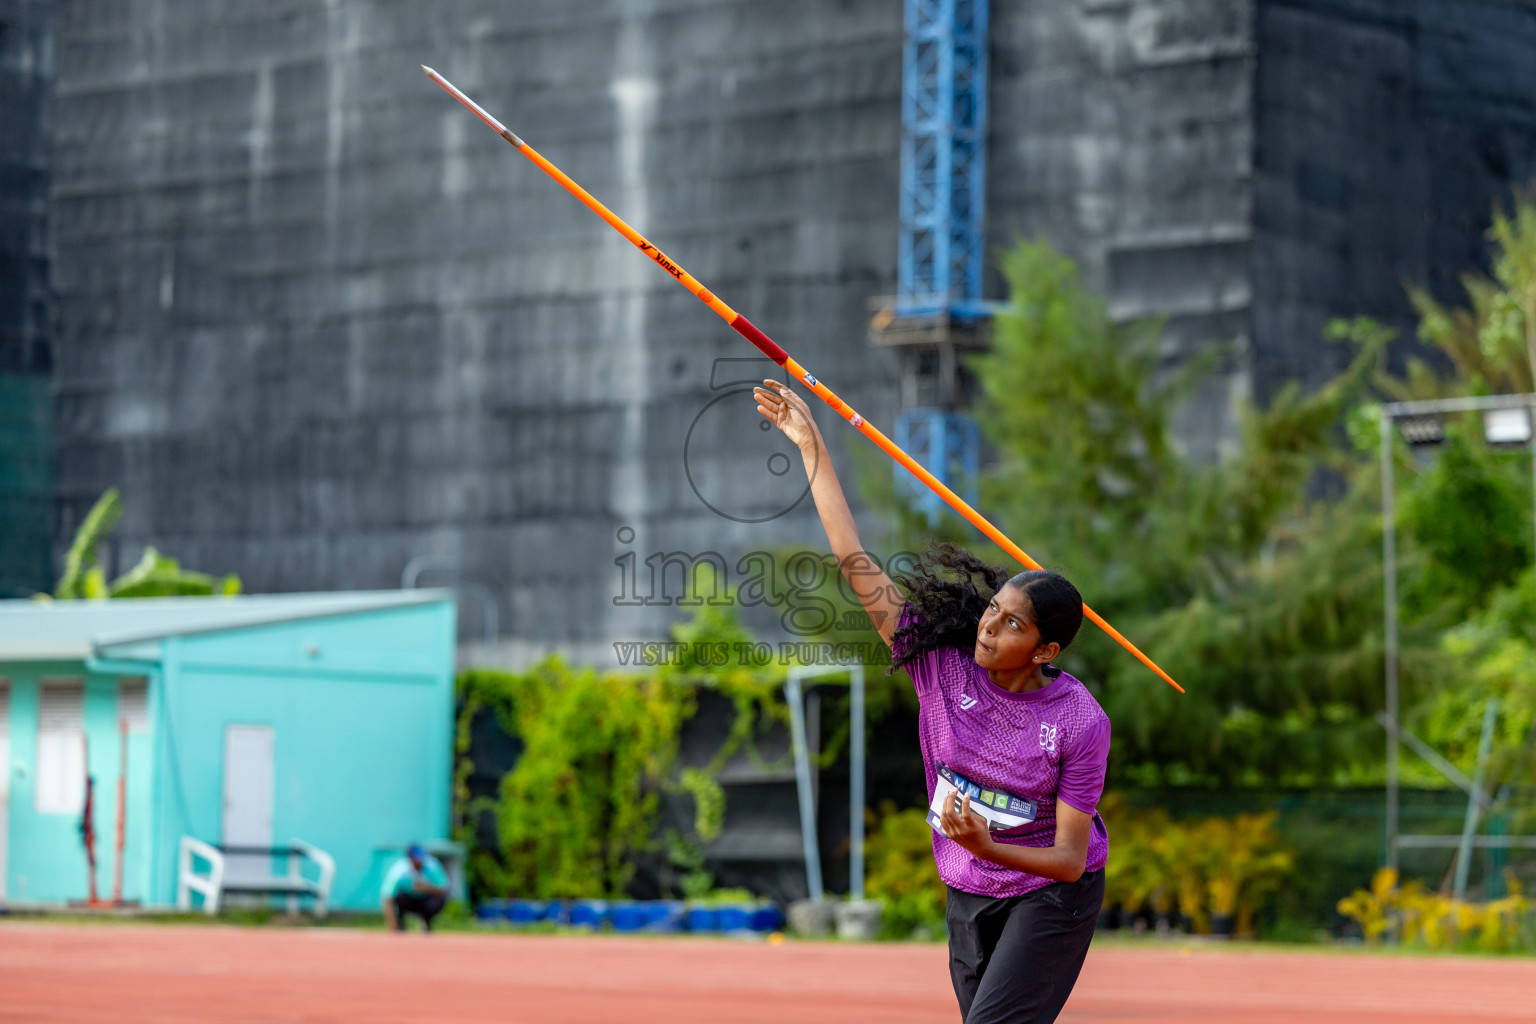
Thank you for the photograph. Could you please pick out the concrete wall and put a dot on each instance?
(1123, 133)
(26, 446)
(26, 484)
(26, 84)
(1387, 129)
(1251, 169)
(316, 321)
(321, 320)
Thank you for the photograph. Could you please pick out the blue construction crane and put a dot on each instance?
(941, 255)
(948, 444)
(943, 159)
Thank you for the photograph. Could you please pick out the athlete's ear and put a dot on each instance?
(1046, 653)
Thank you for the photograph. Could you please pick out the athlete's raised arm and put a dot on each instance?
(879, 596)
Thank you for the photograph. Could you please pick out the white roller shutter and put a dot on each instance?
(60, 777)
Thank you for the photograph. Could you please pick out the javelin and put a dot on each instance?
(766, 345)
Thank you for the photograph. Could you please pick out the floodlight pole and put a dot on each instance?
(857, 769)
(1389, 611)
(806, 796)
(1390, 413)
(794, 695)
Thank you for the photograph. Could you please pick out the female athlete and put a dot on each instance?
(998, 726)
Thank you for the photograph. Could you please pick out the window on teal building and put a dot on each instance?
(60, 787)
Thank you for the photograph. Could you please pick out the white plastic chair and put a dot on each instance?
(211, 885)
(327, 866)
(189, 881)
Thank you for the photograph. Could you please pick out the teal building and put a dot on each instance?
(244, 721)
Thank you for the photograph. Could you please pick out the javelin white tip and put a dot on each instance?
(428, 70)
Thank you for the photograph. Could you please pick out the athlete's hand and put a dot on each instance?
(965, 827)
(787, 411)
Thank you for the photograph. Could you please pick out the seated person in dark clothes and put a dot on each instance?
(414, 884)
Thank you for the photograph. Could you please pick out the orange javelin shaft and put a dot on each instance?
(768, 347)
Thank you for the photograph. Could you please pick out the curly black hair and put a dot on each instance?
(950, 588)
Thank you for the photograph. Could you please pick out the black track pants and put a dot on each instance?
(1015, 960)
(424, 907)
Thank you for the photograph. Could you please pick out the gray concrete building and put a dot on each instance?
(26, 80)
(321, 326)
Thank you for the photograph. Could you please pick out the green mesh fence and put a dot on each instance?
(1340, 840)
(26, 483)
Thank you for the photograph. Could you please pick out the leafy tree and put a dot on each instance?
(604, 747)
(1261, 598)
(594, 745)
(82, 576)
(1080, 419)
(1494, 653)
(1256, 581)
(1492, 343)
(1469, 511)
(155, 575)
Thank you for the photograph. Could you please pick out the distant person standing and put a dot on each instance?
(415, 884)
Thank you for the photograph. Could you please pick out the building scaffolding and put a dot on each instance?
(938, 309)
(943, 159)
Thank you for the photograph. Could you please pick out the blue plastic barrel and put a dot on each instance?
(491, 910)
(734, 917)
(526, 911)
(664, 915)
(767, 918)
(703, 919)
(627, 917)
(587, 913)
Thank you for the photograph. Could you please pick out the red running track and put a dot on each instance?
(208, 974)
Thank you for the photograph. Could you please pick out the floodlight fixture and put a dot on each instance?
(1421, 430)
(1507, 426)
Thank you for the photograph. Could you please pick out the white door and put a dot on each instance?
(247, 799)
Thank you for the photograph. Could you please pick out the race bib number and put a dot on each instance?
(1001, 809)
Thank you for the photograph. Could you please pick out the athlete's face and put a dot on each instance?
(1006, 636)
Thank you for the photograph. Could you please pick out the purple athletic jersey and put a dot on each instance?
(1045, 745)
